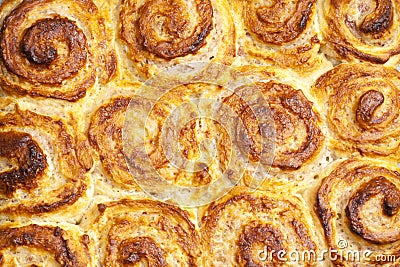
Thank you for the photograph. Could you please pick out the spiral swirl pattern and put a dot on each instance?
(239, 226)
(105, 135)
(47, 246)
(176, 22)
(295, 121)
(177, 140)
(176, 118)
(362, 31)
(138, 231)
(53, 49)
(359, 202)
(43, 172)
(363, 108)
(279, 32)
(164, 33)
(280, 23)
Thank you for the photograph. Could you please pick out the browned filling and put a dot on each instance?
(290, 110)
(31, 161)
(367, 105)
(390, 207)
(275, 25)
(262, 236)
(162, 27)
(50, 239)
(50, 51)
(372, 30)
(135, 250)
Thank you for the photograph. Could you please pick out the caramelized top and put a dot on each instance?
(30, 159)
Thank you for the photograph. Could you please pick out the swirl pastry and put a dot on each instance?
(40, 168)
(164, 133)
(43, 245)
(358, 205)
(145, 231)
(298, 135)
(361, 31)
(161, 33)
(180, 125)
(256, 229)
(105, 135)
(281, 33)
(53, 49)
(363, 107)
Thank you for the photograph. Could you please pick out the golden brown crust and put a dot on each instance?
(280, 33)
(149, 147)
(30, 133)
(105, 135)
(51, 55)
(240, 225)
(293, 115)
(361, 32)
(192, 130)
(363, 110)
(358, 202)
(67, 250)
(31, 160)
(188, 141)
(390, 206)
(165, 33)
(131, 231)
(141, 33)
(267, 24)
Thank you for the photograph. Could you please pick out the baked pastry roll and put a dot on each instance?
(298, 140)
(360, 31)
(53, 49)
(257, 228)
(358, 205)
(43, 245)
(280, 33)
(160, 34)
(168, 145)
(130, 232)
(295, 122)
(362, 103)
(43, 170)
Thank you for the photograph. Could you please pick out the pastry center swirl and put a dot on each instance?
(376, 187)
(133, 251)
(367, 105)
(20, 148)
(164, 27)
(279, 23)
(380, 20)
(258, 238)
(50, 51)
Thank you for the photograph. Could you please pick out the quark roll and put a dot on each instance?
(46, 170)
(161, 34)
(44, 245)
(134, 231)
(242, 227)
(53, 49)
(362, 108)
(366, 31)
(358, 202)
